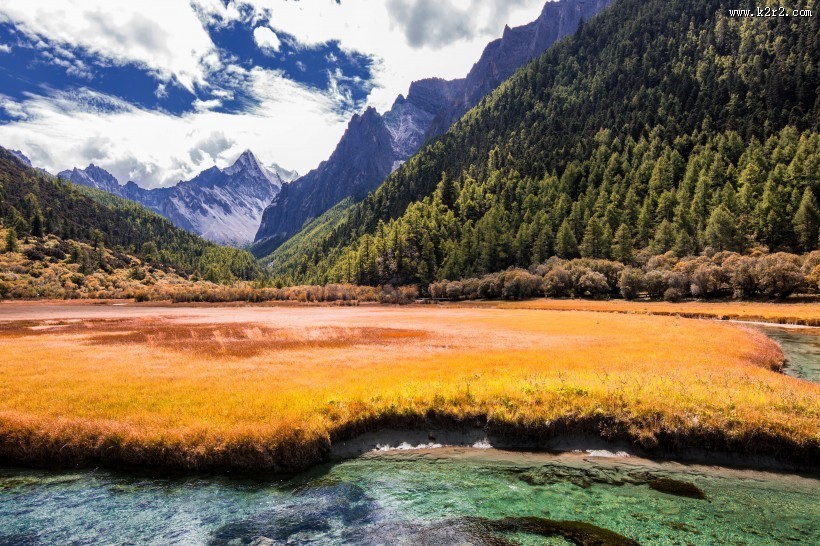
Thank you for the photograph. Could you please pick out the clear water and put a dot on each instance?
(412, 498)
(802, 349)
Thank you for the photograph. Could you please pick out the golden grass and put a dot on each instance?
(807, 313)
(271, 388)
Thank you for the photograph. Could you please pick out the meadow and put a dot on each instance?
(271, 388)
(805, 313)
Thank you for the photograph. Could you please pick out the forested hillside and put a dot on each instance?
(34, 204)
(661, 125)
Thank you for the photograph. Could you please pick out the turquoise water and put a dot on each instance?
(802, 349)
(444, 497)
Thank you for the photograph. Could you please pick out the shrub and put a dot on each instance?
(672, 295)
(705, 281)
(677, 280)
(655, 284)
(813, 279)
(631, 282)
(471, 289)
(519, 284)
(558, 283)
(593, 284)
(142, 296)
(740, 274)
(454, 290)
(778, 275)
(488, 287)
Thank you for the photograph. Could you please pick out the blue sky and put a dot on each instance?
(156, 91)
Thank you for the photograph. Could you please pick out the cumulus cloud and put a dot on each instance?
(438, 23)
(282, 121)
(166, 37)
(153, 148)
(404, 50)
(266, 39)
(5, 48)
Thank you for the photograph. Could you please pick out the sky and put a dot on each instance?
(156, 91)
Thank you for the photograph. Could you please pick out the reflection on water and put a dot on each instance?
(802, 349)
(444, 497)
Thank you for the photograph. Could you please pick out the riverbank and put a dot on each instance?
(793, 313)
(274, 389)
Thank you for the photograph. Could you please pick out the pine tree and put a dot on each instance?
(721, 229)
(684, 244)
(622, 247)
(566, 245)
(664, 238)
(595, 243)
(11, 240)
(807, 222)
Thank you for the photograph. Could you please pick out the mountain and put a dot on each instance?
(93, 177)
(21, 156)
(376, 145)
(662, 125)
(35, 204)
(222, 205)
(286, 175)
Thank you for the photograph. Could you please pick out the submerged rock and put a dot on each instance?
(676, 487)
(577, 532)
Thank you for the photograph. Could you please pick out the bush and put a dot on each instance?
(558, 283)
(705, 281)
(740, 273)
(517, 284)
(593, 284)
(454, 290)
(778, 275)
(631, 282)
(655, 284)
(488, 287)
(672, 295)
(813, 279)
(677, 280)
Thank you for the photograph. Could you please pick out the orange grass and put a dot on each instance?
(271, 388)
(807, 314)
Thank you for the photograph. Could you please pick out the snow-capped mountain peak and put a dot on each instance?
(250, 165)
(223, 205)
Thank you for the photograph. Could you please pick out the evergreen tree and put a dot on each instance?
(595, 243)
(11, 240)
(721, 230)
(622, 247)
(807, 222)
(664, 238)
(566, 245)
(684, 244)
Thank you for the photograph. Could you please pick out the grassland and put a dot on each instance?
(796, 313)
(251, 388)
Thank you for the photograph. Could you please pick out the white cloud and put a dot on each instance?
(266, 39)
(63, 130)
(164, 36)
(403, 51)
(291, 125)
(5, 48)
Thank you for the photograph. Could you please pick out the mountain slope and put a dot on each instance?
(36, 204)
(222, 205)
(660, 124)
(374, 145)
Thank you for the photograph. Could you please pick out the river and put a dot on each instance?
(449, 496)
(802, 349)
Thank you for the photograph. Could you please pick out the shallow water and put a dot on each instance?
(411, 498)
(802, 350)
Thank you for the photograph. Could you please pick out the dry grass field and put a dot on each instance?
(807, 313)
(271, 388)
